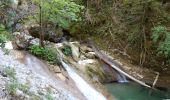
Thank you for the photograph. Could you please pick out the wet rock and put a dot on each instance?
(85, 49)
(75, 50)
(55, 69)
(86, 62)
(59, 45)
(95, 72)
(92, 69)
(110, 74)
(90, 55)
(61, 76)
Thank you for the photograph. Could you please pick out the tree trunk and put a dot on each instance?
(116, 66)
(41, 29)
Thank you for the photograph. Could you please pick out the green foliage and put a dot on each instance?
(161, 36)
(45, 53)
(3, 38)
(6, 15)
(157, 31)
(60, 12)
(36, 97)
(13, 84)
(49, 97)
(10, 72)
(38, 51)
(4, 35)
(24, 88)
(12, 87)
(67, 50)
(2, 28)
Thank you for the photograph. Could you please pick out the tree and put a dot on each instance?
(57, 12)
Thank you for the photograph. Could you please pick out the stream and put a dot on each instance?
(89, 92)
(121, 90)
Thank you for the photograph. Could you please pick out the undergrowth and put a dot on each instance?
(45, 53)
(161, 37)
(67, 50)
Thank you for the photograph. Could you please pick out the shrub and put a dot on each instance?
(49, 97)
(12, 87)
(161, 36)
(10, 72)
(4, 35)
(24, 88)
(45, 53)
(157, 32)
(67, 50)
(61, 12)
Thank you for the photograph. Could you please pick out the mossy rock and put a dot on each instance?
(94, 71)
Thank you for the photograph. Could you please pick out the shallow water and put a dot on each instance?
(133, 91)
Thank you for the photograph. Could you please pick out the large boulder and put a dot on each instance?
(75, 50)
(23, 40)
(110, 74)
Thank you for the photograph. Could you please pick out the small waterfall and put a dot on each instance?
(121, 78)
(89, 92)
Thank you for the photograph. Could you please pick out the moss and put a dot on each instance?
(95, 70)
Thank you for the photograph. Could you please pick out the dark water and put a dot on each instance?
(133, 91)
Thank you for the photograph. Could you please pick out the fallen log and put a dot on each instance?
(115, 65)
(156, 79)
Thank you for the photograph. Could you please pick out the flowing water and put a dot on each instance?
(121, 78)
(89, 92)
(134, 91)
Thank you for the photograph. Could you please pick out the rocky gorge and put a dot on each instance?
(69, 69)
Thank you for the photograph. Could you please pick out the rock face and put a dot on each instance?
(110, 74)
(34, 84)
(22, 40)
(86, 62)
